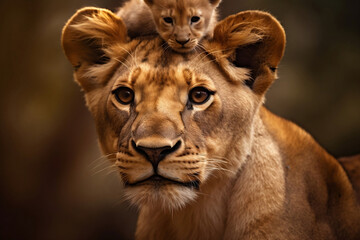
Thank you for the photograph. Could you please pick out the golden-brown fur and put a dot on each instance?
(146, 17)
(352, 167)
(225, 168)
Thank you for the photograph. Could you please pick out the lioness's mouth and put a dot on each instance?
(158, 180)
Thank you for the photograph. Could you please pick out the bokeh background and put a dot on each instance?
(54, 184)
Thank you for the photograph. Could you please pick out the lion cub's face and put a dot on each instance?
(182, 24)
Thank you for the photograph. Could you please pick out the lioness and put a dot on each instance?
(196, 150)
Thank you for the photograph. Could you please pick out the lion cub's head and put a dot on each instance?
(173, 123)
(183, 24)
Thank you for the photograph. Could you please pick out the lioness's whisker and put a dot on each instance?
(111, 172)
(103, 162)
(116, 59)
(101, 158)
(134, 59)
(99, 165)
(104, 169)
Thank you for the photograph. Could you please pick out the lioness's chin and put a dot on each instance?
(168, 197)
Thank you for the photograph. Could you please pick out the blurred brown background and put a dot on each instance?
(54, 183)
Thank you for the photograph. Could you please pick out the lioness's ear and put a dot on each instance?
(215, 2)
(88, 33)
(253, 40)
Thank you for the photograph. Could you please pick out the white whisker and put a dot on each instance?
(134, 59)
(101, 158)
(104, 169)
(116, 59)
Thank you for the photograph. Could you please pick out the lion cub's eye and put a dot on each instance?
(168, 19)
(199, 95)
(195, 19)
(124, 95)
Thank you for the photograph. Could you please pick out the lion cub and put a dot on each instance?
(181, 23)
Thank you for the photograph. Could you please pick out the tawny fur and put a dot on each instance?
(259, 176)
(146, 17)
(352, 167)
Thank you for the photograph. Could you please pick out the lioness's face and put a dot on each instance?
(168, 127)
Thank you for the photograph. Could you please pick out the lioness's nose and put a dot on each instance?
(155, 155)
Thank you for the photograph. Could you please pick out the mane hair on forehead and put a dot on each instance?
(183, 4)
(180, 5)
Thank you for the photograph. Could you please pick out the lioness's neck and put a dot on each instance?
(207, 215)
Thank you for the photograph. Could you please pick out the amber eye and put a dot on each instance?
(199, 95)
(124, 95)
(168, 20)
(195, 19)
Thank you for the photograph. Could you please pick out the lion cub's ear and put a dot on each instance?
(253, 40)
(88, 33)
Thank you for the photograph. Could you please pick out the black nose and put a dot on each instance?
(155, 155)
(183, 42)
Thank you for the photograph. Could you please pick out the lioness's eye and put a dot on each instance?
(195, 19)
(124, 95)
(199, 95)
(168, 20)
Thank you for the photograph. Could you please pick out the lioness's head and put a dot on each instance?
(173, 122)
